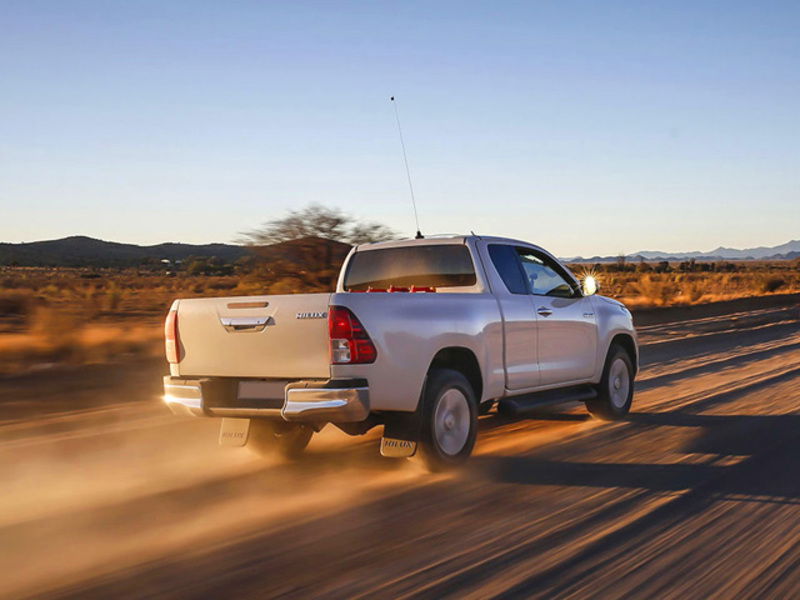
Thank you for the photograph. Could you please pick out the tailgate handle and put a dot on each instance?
(244, 323)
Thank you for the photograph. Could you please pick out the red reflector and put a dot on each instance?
(413, 288)
(350, 343)
(171, 341)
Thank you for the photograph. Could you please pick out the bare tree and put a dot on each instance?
(304, 250)
(317, 221)
(362, 233)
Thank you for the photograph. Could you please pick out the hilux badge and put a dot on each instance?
(312, 315)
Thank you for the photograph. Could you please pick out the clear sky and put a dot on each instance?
(587, 127)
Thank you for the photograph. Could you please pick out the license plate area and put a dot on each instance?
(261, 394)
(224, 396)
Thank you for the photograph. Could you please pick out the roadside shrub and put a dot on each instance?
(51, 290)
(15, 304)
(656, 291)
(113, 297)
(663, 267)
(59, 329)
(694, 291)
(773, 284)
(222, 285)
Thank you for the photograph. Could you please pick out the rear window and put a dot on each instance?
(422, 266)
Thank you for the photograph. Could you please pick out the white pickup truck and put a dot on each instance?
(421, 336)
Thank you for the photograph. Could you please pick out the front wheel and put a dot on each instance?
(449, 420)
(615, 392)
(272, 437)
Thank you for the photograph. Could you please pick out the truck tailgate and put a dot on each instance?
(255, 336)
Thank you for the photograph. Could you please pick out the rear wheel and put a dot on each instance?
(449, 420)
(615, 392)
(274, 437)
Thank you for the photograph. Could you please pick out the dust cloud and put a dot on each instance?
(88, 494)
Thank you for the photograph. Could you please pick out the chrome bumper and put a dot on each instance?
(339, 401)
(343, 405)
(184, 397)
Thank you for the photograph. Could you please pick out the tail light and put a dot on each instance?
(171, 341)
(350, 343)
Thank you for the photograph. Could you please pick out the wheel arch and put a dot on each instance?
(465, 362)
(626, 341)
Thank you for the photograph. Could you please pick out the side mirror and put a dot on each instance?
(590, 286)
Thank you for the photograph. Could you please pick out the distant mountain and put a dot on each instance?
(759, 253)
(81, 251)
(789, 250)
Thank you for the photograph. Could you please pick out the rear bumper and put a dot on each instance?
(328, 402)
(335, 400)
(183, 397)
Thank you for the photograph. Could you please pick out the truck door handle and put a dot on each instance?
(244, 323)
(544, 311)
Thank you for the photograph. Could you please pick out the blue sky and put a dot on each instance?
(587, 127)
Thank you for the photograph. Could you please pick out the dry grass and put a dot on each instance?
(91, 344)
(75, 316)
(647, 289)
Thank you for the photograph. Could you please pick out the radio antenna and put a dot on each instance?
(419, 235)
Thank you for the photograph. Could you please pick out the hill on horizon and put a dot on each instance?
(789, 250)
(83, 251)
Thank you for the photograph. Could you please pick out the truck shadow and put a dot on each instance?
(736, 361)
(556, 412)
(764, 450)
(679, 349)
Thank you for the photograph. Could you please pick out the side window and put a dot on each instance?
(544, 279)
(506, 262)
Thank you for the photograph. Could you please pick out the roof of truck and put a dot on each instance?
(448, 238)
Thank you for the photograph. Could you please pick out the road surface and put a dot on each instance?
(697, 495)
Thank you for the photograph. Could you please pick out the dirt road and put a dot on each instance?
(697, 495)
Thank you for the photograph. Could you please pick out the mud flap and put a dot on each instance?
(234, 432)
(400, 434)
(394, 448)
